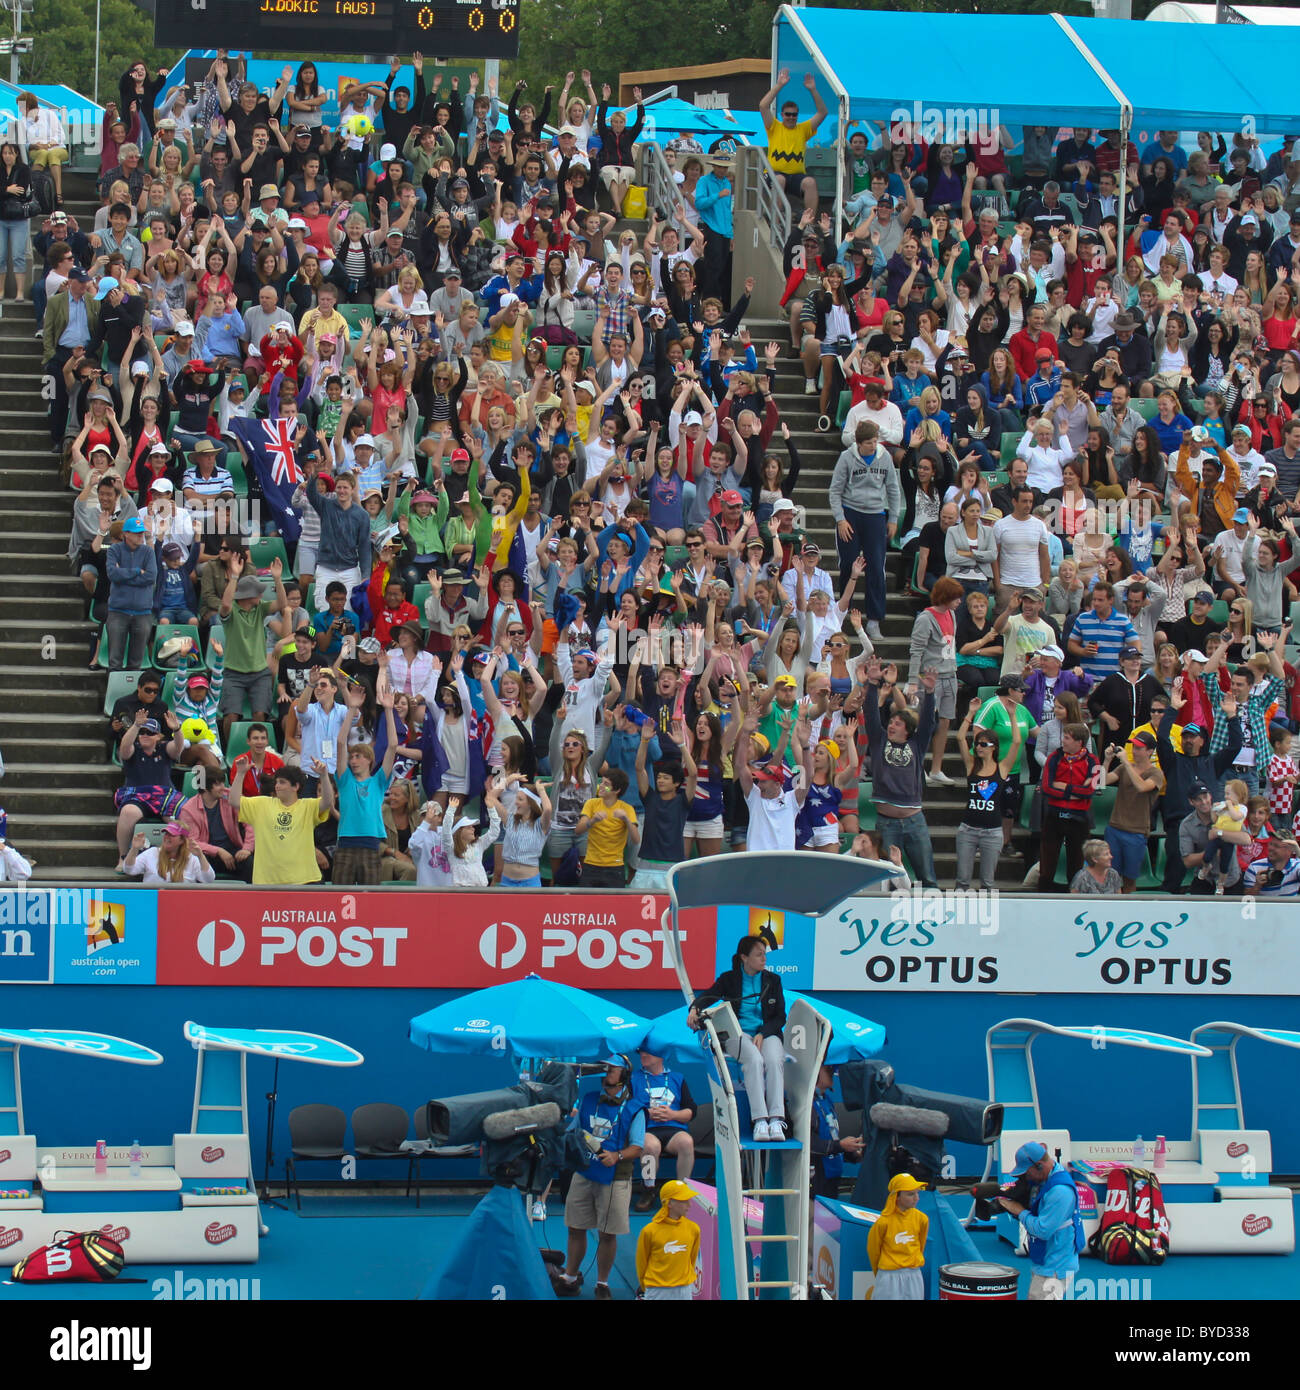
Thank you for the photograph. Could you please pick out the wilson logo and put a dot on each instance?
(9, 1237)
(1236, 1149)
(121, 1234)
(217, 1234)
(211, 1154)
(1256, 1225)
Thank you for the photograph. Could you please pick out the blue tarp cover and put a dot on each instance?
(1024, 70)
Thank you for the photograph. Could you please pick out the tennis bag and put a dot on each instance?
(85, 1257)
(1134, 1228)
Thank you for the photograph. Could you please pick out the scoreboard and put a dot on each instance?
(438, 28)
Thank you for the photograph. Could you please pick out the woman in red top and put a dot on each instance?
(388, 381)
(1280, 325)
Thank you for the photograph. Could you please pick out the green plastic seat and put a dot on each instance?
(165, 632)
(262, 552)
(119, 683)
(238, 742)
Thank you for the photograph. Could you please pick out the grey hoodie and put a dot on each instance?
(866, 485)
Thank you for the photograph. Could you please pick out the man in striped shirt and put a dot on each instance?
(1277, 875)
(1099, 636)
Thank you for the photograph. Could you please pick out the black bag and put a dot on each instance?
(42, 192)
(570, 874)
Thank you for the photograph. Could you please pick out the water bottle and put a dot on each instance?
(101, 1158)
(1139, 1150)
(1161, 1148)
(135, 1157)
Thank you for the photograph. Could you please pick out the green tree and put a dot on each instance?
(559, 36)
(64, 44)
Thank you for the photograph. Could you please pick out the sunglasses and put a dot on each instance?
(514, 632)
(694, 545)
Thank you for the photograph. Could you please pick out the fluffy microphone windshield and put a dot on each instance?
(505, 1124)
(909, 1119)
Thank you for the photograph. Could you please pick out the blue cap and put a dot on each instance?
(106, 286)
(1242, 514)
(134, 525)
(1027, 1155)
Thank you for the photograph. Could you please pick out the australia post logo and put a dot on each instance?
(593, 940)
(311, 938)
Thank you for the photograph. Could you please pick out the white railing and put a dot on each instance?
(660, 186)
(758, 192)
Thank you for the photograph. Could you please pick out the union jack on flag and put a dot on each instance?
(278, 442)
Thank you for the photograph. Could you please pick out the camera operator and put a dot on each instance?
(829, 1150)
(611, 1125)
(1051, 1221)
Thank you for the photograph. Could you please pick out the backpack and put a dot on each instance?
(570, 871)
(88, 1257)
(1134, 1227)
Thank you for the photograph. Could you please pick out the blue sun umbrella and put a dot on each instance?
(853, 1038)
(529, 1018)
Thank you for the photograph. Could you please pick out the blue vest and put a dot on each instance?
(828, 1131)
(611, 1124)
(1038, 1244)
(664, 1089)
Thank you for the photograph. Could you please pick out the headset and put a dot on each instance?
(626, 1061)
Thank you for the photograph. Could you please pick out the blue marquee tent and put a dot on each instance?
(1036, 70)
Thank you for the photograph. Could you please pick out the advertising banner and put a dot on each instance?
(409, 940)
(78, 936)
(976, 943)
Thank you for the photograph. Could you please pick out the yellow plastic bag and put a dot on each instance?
(634, 202)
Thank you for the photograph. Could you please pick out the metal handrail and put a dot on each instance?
(757, 191)
(661, 187)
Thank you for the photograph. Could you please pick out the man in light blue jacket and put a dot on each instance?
(866, 502)
(132, 572)
(1051, 1221)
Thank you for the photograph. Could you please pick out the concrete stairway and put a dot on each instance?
(59, 782)
(817, 454)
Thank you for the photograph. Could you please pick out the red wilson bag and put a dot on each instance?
(87, 1257)
(1134, 1228)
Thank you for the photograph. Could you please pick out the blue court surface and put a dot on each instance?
(380, 1247)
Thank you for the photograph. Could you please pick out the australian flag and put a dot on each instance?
(269, 446)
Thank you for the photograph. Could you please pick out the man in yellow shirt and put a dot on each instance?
(325, 318)
(787, 139)
(608, 824)
(668, 1248)
(896, 1244)
(285, 825)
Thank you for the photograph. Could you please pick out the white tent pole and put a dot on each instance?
(1125, 123)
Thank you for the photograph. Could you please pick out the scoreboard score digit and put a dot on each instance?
(441, 28)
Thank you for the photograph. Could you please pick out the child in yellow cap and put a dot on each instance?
(896, 1244)
(668, 1248)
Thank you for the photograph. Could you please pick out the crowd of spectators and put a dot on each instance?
(542, 601)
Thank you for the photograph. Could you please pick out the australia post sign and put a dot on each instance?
(422, 940)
